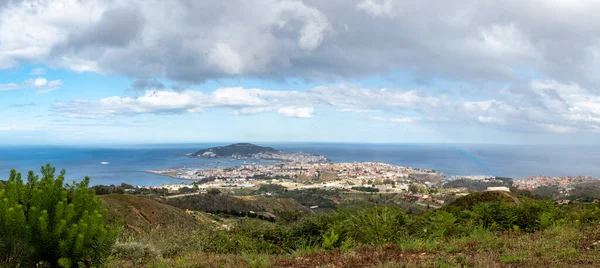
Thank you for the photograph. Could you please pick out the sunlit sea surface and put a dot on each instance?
(127, 162)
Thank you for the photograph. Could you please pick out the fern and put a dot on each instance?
(330, 240)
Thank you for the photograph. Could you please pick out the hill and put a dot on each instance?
(238, 205)
(467, 202)
(234, 150)
(143, 214)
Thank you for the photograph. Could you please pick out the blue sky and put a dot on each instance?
(104, 72)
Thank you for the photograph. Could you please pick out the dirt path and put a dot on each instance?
(180, 195)
(512, 197)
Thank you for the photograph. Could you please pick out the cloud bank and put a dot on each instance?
(317, 40)
(562, 107)
(527, 65)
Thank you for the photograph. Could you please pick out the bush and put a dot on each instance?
(213, 191)
(42, 221)
(375, 226)
(137, 252)
(365, 189)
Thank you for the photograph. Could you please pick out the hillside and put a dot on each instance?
(234, 150)
(472, 231)
(237, 205)
(142, 214)
(467, 202)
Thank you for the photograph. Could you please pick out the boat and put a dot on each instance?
(104, 163)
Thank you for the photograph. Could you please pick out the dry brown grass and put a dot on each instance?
(142, 214)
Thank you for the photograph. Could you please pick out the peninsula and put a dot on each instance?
(252, 151)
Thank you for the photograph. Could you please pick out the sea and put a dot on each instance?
(125, 163)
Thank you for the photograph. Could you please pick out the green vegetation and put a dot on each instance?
(48, 224)
(140, 214)
(126, 188)
(490, 228)
(271, 188)
(476, 185)
(237, 149)
(323, 199)
(365, 189)
(239, 206)
(45, 223)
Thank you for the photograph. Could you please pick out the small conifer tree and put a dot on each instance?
(43, 222)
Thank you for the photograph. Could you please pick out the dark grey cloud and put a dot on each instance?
(3, 3)
(191, 41)
(116, 28)
(143, 84)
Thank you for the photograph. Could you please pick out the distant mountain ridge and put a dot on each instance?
(234, 150)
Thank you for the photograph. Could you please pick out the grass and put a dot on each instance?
(511, 258)
(256, 243)
(560, 246)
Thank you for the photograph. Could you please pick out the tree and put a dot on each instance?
(184, 190)
(213, 191)
(43, 222)
(413, 188)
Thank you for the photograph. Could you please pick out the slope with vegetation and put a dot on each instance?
(234, 150)
(142, 214)
(251, 206)
(497, 229)
(491, 228)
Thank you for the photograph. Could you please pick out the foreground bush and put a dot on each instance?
(43, 222)
(137, 252)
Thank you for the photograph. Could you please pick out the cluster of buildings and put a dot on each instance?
(298, 157)
(483, 178)
(292, 157)
(292, 170)
(539, 181)
(385, 177)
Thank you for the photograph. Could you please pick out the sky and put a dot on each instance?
(385, 71)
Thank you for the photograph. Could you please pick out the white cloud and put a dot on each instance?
(490, 120)
(400, 120)
(560, 107)
(557, 128)
(42, 85)
(9, 86)
(303, 112)
(471, 40)
(249, 101)
(37, 71)
(214, 38)
(354, 110)
(376, 7)
(237, 96)
(40, 82)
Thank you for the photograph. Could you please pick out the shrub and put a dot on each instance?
(42, 221)
(213, 191)
(375, 226)
(365, 189)
(528, 216)
(137, 252)
(330, 240)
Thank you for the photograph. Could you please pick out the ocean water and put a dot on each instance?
(127, 162)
